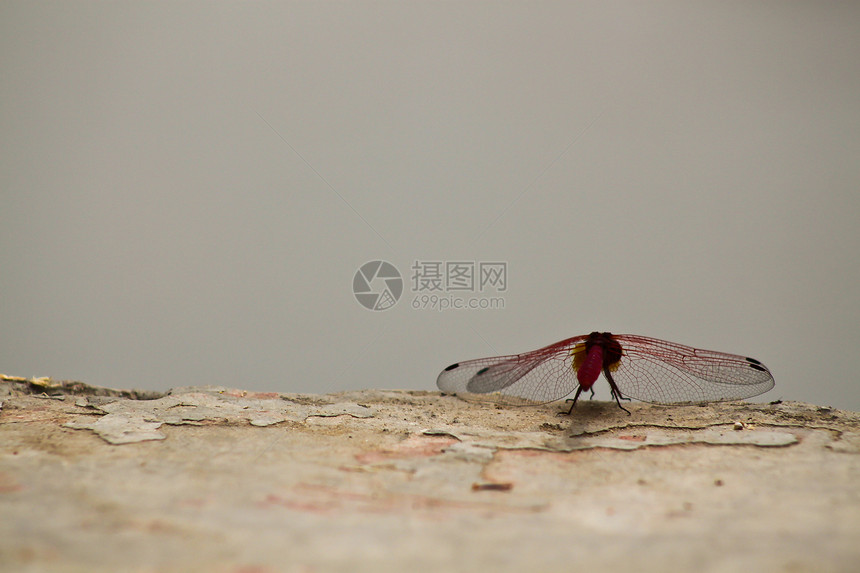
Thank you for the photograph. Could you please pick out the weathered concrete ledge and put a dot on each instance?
(216, 479)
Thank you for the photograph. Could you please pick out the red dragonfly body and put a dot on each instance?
(637, 367)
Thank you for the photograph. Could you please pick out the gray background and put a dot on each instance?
(187, 189)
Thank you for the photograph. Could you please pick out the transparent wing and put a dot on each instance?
(654, 370)
(536, 377)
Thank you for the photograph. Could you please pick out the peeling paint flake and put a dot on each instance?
(848, 443)
(651, 437)
(619, 439)
(341, 408)
(121, 429)
(262, 419)
(137, 420)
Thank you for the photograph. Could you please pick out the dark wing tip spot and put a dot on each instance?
(753, 361)
(756, 365)
(452, 367)
(482, 370)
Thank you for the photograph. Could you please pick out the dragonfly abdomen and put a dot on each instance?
(591, 367)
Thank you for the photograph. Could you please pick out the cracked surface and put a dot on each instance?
(215, 479)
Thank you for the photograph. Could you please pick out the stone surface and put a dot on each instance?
(217, 479)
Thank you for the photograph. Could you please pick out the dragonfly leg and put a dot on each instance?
(616, 393)
(574, 399)
(625, 398)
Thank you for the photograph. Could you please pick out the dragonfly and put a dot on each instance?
(636, 367)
